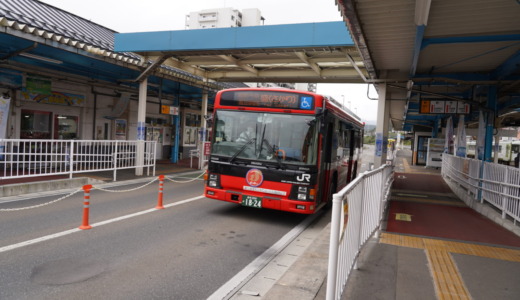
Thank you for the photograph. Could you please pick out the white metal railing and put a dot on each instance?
(485, 182)
(31, 158)
(357, 212)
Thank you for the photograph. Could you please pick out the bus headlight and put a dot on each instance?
(302, 193)
(214, 181)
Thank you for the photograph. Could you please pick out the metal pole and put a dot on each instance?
(204, 112)
(383, 109)
(141, 118)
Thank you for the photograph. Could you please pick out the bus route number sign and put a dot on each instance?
(252, 201)
(269, 99)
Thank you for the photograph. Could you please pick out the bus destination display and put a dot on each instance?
(269, 99)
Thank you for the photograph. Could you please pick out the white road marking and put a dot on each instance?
(70, 231)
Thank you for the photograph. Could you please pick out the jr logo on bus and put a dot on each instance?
(304, 177)
(254, 177)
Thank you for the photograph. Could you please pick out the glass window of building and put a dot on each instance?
(35, 124)
(65, 127)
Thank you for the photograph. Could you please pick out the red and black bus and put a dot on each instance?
(281, 149)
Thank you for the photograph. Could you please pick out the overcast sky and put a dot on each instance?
(159, 15)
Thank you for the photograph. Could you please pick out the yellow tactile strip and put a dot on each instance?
(447, 279)
(406, 166)
(408, 169)
(452, 247)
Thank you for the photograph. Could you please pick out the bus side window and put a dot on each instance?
(348, 143)
(328, 141)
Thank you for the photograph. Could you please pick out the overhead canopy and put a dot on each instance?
(440, 50)
(310, 53)
(466, 51)
(40, 39)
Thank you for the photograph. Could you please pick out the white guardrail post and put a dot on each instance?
(114, 159)
(494, 184)
(337, 204)
(31, 158)
(71, 159)
(504, 194)
(361, 219)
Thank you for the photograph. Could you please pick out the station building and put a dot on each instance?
(61, 79)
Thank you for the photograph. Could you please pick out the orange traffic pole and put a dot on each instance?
(160, 195)
(86, 206)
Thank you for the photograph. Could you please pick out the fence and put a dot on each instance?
(485, 182)
(30, 158)
(357, 211)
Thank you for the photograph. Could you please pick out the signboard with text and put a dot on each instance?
(443, 107)
(169, 110)
(207, 148)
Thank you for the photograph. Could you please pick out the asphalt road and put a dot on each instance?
(186, 251)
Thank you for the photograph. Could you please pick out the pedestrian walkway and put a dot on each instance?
(435, 247)
(16, 188)
(162, 167)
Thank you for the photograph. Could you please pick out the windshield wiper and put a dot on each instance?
(271, 149)
(252, 140)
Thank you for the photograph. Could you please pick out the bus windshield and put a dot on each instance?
(269, 137)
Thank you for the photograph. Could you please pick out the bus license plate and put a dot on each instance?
(252, 201)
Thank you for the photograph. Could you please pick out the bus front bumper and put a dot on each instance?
(284, 204)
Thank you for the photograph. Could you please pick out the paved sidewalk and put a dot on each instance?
(434, 247)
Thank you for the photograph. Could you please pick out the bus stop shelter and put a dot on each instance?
(428, 60)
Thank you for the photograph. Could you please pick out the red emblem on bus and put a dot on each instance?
(254, 177)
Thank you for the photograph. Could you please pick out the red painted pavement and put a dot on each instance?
(443, 221)
(420, 182)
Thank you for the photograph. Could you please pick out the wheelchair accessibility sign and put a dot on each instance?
(306, 102)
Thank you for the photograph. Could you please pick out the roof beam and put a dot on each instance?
(281, 74)
(422, 11)
(238, 63)
(471, 39)
(358, 70)
(175, 63)
(17, 52)
(312, 65)
(510, 66)
(271, 59)
(157, 63)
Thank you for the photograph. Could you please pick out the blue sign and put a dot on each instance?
(140, 131)
(379, 144)
(306, 102)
